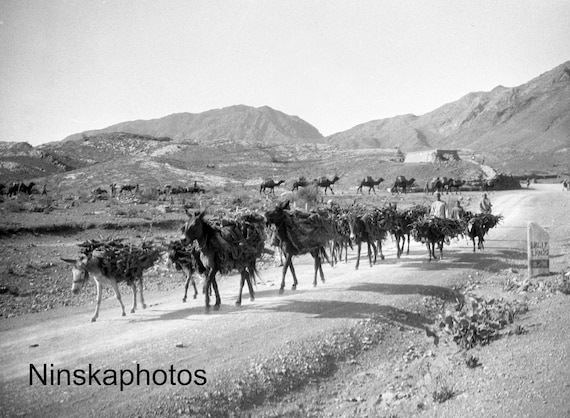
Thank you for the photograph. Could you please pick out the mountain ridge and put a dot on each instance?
(233, 122)
(480, 120)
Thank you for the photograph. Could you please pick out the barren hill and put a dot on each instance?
(521, 130)
(533, 117)
(262, 124)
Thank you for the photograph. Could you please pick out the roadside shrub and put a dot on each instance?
(14, 206)
(127, 212)
(307, 195)
(443, 391)
(148, 194)
(473, 362)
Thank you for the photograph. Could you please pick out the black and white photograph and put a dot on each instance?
(284, 209)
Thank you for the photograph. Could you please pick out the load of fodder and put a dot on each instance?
(404, 218)
(478, 225)
(186, 257)
(124, 262)
(237, 239)
(341, 221)
(309, 230)
(433, 228)
(183, 254)
(476, 321)
(484, 221)
(377, 221)
(412, 214)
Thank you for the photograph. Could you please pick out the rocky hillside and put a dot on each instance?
(521, 131)
(262, 124)
(532, 117)
(19, 160)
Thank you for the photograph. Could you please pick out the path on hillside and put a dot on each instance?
(222, 339)
(488, 170)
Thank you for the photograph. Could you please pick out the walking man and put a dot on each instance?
(485, 204)
(439, 207)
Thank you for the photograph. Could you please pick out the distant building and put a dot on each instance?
(432, 156)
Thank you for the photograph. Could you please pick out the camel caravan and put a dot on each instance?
(401, 185)
(228, 242)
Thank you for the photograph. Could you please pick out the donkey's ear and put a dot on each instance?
(284, 205)
(201, 214)
(69, 260)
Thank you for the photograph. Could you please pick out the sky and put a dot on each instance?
(67, 66)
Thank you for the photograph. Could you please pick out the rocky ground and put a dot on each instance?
(382, 351)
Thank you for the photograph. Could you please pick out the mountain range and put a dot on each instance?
(520, 128)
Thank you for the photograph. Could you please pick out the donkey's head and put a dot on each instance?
(79, 272)
(275, 216)
(194, 227)
(355, 225)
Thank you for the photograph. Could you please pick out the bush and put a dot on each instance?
(307, 195)
(148, 194)
(443, 391)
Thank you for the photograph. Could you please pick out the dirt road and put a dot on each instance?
(170, 334)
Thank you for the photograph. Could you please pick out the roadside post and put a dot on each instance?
(538, 249)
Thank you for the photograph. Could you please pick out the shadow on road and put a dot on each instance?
(444, 293)
(354, 310)
(498, 259)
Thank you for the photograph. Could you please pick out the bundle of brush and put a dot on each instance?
(124, 262)
(185, 255)
(412, 214)
(378, 221)
(432, 228)
(485, 221)
(307, 230)
(241, 237)
(341, 221)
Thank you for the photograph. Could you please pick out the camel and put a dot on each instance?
(326, 183)
(302, 182)
(454, 184)
(402, 184)
(370, 183)
(270, 184)
(129, 188)
(435, 185)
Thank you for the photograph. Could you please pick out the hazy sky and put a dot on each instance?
(68, 66)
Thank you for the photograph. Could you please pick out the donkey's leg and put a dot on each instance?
(408, 251)
(380, 251)
(96, 314)
(369, 253)
(133, 286)
(250, 277)
(358, 254)
(241, 283)
(321, 270)
(115, 287)
(315, 255)
(285, 267)
(141, 292)
(189, 279)
(217, 293)
(295, 282)
(207, 288)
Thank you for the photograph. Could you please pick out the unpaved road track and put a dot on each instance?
(66, 339)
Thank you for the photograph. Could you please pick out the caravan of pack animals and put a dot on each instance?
(220, 242)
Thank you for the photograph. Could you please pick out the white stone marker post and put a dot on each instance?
(538, 250)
